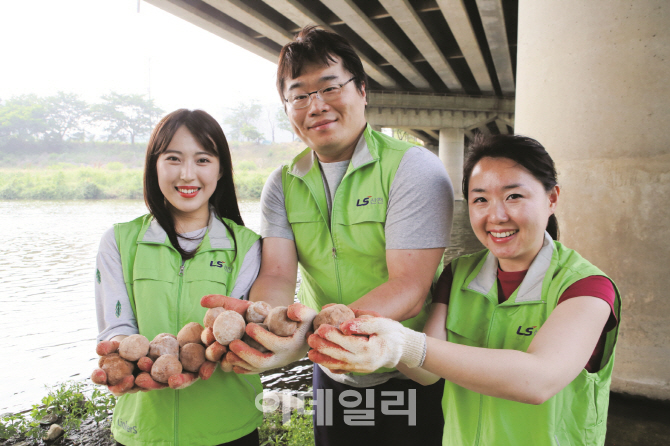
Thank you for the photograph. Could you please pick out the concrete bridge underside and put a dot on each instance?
(591, 86)
(434, 66)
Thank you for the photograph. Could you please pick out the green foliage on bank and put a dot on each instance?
(67, 403)
(102, 170)
(297, 432)
(69, 182)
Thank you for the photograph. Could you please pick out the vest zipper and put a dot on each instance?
(481, 397)
(176, 394)
(332, 240)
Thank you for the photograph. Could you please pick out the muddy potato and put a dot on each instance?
(192, 356)
(116, 369)
(163, 344)
(164, 367)
(102, 359)
(134, 347)
(215, 352)
(333, 315)
(190, 333)
(228, 326)
(257, 312)
(207, 337)
(162, 335)
(279, 323)
(211, 315)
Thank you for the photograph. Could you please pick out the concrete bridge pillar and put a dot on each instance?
(451, 154)
(592, 86)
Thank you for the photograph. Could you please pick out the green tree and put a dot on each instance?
(126, 115)
(404, 136)
(66, 116)
(251, 133)
(23, 118)
(242, 121)
(283, 122)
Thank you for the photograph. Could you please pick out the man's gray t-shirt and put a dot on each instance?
(420, 203)
(110, 288)
(419, 215)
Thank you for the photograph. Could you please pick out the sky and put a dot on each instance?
(92, 47)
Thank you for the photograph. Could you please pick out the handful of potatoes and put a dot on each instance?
(178, 361)
(224, 326)
(168, 360)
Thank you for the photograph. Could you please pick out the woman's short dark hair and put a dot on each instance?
(314, 45)
(524, 151)
(209, 134)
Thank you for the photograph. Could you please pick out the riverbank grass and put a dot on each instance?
(66, 405)
(69, 182)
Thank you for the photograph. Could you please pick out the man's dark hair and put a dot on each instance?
(525, 151)
(209, 134)
(314, 45)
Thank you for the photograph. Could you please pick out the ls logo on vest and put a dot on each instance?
(221, 264)
(369, 200)
(530, 331)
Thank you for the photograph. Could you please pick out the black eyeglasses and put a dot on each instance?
(326, 94)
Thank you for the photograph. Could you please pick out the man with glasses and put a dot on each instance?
(367, 218)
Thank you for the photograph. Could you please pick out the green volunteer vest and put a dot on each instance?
(165, 295)
(342, 256)
(577, 415)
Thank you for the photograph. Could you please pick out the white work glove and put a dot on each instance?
(385, 343)
(282, 350)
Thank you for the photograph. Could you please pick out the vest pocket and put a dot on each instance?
(160, 275)
(214, 271)
(463, 331)
(367, 214)
(303, 216)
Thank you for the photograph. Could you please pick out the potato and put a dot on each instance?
(101, 360)
(163, 344)
(211, 315)
(164, 367)
(279, 323)
(215, 352)
(207, 337)
(333, 315)
(189, 333)
(134, 347)
(228, 326)
(257, 312)
(192, 356)
(169, 335)
(116, 369)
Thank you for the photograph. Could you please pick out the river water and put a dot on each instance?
(47, 313)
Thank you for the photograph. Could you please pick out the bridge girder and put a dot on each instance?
(458, 54)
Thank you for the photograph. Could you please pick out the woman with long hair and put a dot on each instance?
(153, 271)
(523, 332)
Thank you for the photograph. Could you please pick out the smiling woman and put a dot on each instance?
(523, 332)
(153, 271)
